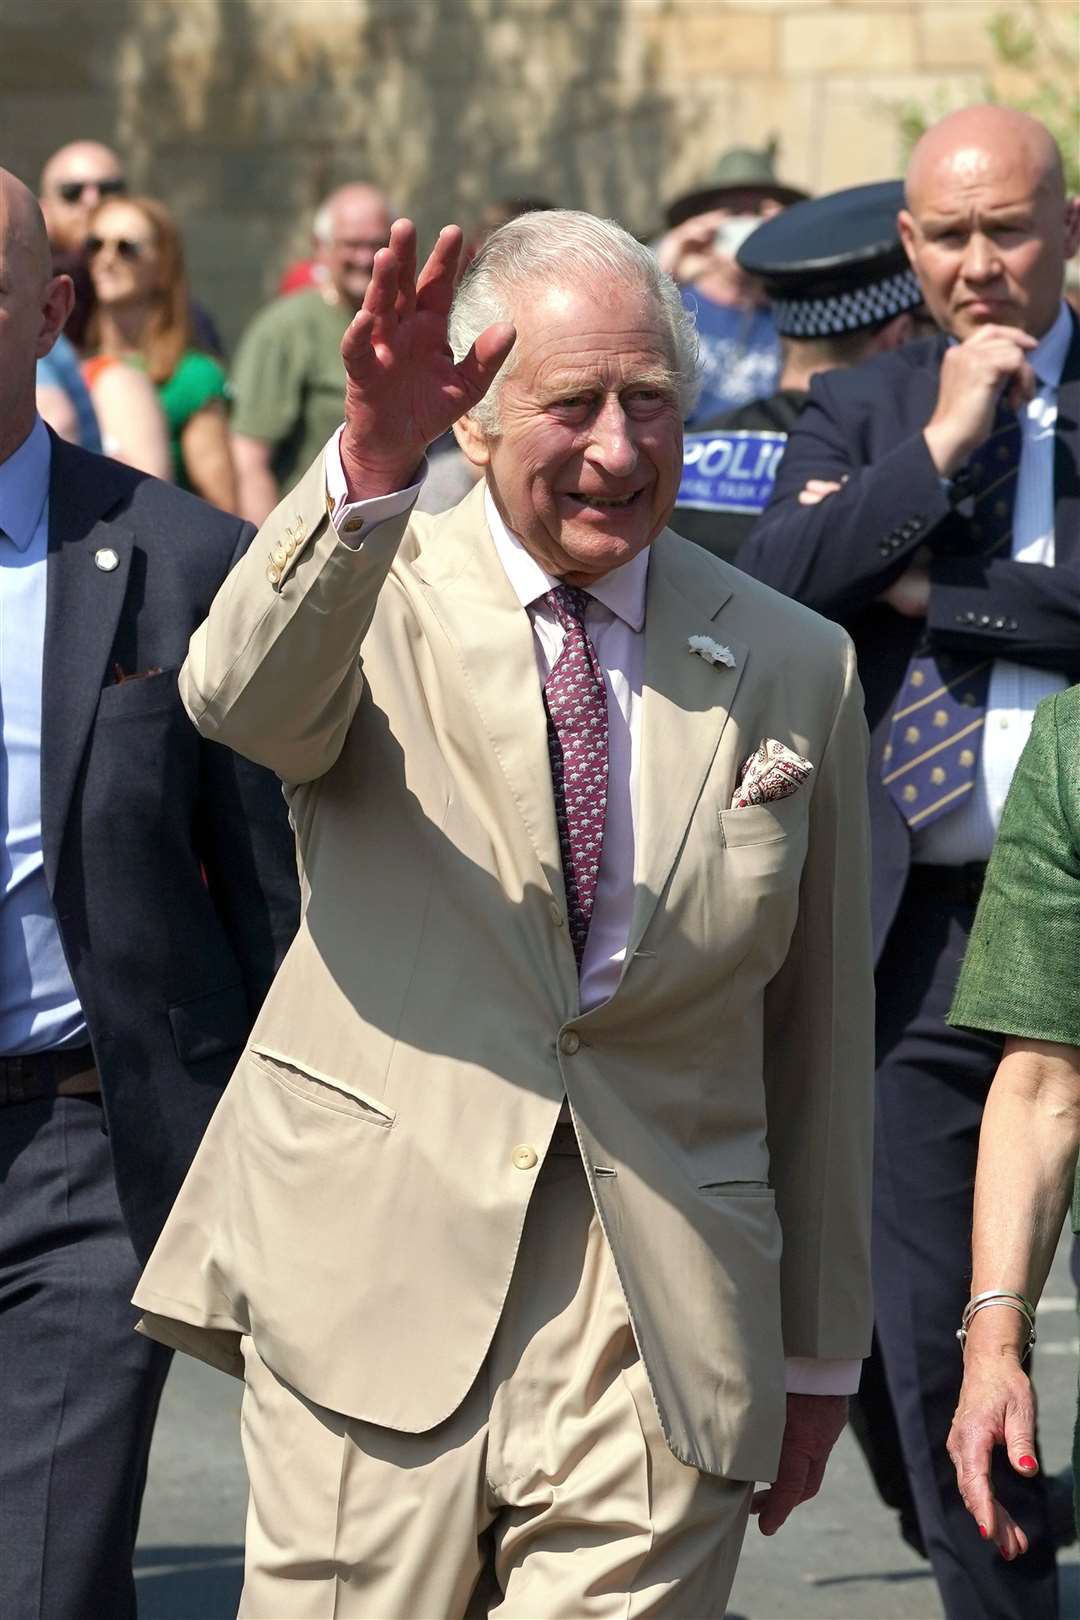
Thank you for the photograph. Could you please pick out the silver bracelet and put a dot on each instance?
(999, 1296)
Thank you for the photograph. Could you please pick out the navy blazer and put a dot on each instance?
(865, 425)
(169, 859)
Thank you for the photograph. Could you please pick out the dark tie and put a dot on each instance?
(932, 754)
(575, 697)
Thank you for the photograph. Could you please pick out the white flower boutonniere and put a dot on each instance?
(712, 651)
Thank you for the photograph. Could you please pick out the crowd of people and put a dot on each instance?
(564, 1104)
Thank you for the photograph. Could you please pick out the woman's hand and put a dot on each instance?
(997, 1407)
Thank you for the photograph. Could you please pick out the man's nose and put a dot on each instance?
(981, 260)
(612, 445)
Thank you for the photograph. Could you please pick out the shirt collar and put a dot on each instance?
(24, 486)
(622, 591)
(1047, 359)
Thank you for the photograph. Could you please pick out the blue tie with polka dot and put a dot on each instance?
(932, 755)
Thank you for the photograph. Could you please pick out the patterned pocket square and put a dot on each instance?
(771, 772)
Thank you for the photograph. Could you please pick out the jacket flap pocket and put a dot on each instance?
(209, 1025)
(326, 1090)
(762, 823)
(736, 1189)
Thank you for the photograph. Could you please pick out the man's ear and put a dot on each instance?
(906, 225)
(1072, 226)
(56, 306)
(472, 440)
(894, 334)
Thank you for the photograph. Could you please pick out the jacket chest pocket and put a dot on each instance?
(765, 844)
(766, 823)
(139, 695)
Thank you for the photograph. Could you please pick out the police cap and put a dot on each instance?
(834, 264)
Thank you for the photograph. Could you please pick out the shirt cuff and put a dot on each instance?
(810, 1375)
(354, 520)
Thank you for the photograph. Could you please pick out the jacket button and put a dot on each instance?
(524, 1157)
(556, 914)
(1011, 624)
(569, 1042)
(984, 621)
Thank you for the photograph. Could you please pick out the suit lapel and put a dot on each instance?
(492, 640)
(1067, 456)
(82, 611)
(686, 703)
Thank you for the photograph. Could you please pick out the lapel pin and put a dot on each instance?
(712, 651)
(106, 559)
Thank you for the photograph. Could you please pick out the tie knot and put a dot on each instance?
(568, 603)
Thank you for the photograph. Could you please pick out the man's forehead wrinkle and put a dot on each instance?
(943, 209)
(581, 349)
(622, 367)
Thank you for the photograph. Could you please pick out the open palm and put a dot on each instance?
(403, 387)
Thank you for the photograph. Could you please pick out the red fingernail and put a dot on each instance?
(982, 1531)
(1028, 1462)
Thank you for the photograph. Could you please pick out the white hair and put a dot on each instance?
(560, 247)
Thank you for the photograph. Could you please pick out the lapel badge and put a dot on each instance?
(712, 651)
(106, 559)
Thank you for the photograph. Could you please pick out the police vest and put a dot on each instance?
(730, 470)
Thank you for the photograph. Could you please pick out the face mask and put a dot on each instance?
(733, 232)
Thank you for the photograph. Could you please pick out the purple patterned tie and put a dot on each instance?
(575, 697)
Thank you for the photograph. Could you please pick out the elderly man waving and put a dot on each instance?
(550, 1145)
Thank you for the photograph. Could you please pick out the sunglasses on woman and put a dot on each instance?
(71, 190)
(125, 247)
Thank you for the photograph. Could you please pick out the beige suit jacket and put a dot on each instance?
(359, 1197)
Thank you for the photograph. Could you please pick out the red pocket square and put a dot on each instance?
(771, 772)
(120, 675)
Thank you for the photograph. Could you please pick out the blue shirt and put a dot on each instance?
(740, 356)
(39, 1007)
(60, 369)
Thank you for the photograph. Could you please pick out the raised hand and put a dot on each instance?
(990, 364)
(403, 387)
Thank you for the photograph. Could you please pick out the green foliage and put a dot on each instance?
(1025, 44)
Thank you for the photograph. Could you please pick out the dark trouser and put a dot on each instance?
(79, 1390)
(931, 1086)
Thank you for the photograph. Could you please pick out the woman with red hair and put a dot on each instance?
(142, 317)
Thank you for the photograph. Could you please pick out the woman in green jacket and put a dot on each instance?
(1020, 979)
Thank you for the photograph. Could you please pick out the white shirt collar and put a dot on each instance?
(622, 591)
(1047, 359)
(24, 485)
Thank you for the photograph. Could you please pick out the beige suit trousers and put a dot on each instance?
(550, 1493)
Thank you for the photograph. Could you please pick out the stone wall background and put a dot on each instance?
(242, 114)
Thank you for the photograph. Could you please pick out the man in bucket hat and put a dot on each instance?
(706, 226)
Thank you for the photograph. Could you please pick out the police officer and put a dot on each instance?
(840, 290)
